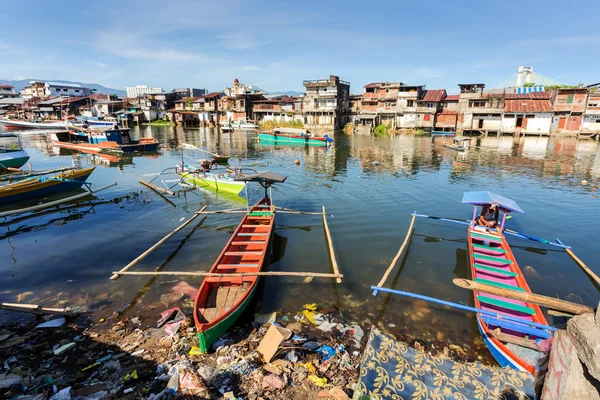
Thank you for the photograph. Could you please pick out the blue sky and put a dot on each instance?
(276, 44)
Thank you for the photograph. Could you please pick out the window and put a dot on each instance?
(593, 105)
(430, 105)
(76, 90)
(410, 103)
(570, 99)
(477, 103)
(531, 116)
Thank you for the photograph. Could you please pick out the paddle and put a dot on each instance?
(509, 231)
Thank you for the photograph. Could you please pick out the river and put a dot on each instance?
(369, 186)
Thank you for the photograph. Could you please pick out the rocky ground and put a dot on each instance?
(140, 357)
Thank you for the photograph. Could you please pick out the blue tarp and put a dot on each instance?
(484, 198)
(393, 370)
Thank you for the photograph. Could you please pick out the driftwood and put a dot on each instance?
(117, 275)
(545, 301)
(232, 211)
(395, 260)
(209, 274)
(503, 337)
(584, 267)
(155, 187)
(36, 309)
(336, 270)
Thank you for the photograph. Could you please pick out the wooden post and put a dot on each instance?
(545, 301)
(330, 245)
(217, 275)
(584, 267)
(116, 275)
(395, 260)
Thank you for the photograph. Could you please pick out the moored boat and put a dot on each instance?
(32, 188)
(248, 125)
(21, 124)
(293, 136)
(221, 300)
(204, 177)
(95, 141)
(225, 127)
(12, 154)
(492, 263)
(458, 143)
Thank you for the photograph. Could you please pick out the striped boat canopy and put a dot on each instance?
(485, 198)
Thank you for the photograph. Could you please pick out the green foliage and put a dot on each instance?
(420, 132)
(348, 128)
(160, 122)
(190, 102)
(269, 125)
(530, 84)
(381, 130)
(550, 87)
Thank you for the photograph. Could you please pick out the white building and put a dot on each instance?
(47, 89)
(8, 92)
(141, 90)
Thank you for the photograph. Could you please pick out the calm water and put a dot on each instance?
(66, 257)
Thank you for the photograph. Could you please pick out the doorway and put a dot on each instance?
(519, 122)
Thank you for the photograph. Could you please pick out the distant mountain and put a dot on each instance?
(20, 84)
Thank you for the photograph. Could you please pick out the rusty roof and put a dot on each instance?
(211, 95)
(434, 95)
(451, 97)
(527, 96)
(527, 106)
(6, 86)
(185, 99)
(448, 112)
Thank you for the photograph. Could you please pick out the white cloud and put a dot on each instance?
(251, 68)
(97, 64)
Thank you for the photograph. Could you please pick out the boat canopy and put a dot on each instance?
(485, 198)
(267, 177)
(461, 139)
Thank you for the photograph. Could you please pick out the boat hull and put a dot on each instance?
(222, 300)
(212, 183)
(13, 159)
(31, 125)
(41, 187)
(492, 262)
(453, 147)
(284, 139)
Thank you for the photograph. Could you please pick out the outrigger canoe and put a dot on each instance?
(31, 188)
(215, 182)
(458, 143)
(221, 300)
(293, 136)
(493, 263)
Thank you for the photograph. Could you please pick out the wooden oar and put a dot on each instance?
(584, 267)
(549, 302)
(506, 230)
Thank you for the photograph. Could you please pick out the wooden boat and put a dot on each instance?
(493, 263)
(203, 177)
(225, 127)
(248, 125)
(31, 188)
(293, 136)
(96, 141)
(12, 154)
(458, 143)
(22, 124)
(221, 300)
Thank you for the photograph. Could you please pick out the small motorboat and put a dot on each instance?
(460, 143)
(21, 124)
(12, 154)
(206, 177)
(99, 140)
(293, 136)
(249, 125)
(225, 127)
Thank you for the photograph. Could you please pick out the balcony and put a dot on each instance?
(266, 107)
(430, 110)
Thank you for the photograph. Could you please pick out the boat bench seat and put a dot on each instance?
(515, 326)
(495, 270)
(245, 242)
(239, 268)
(491, 259)
(252, 234)
(243, 253)
(482, 236)
(255, 226)
(498, 284)
(488, 248)
(261, 214)
(506, 304)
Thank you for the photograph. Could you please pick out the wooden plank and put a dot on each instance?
(330, 245)
(506, 304)
(481, 236)
(243, 253)
(515, 326)
(222, 293)
(155, 187)
(232, 296)
(237, 265)
(584, 267)
(216, 275)
(132, 264)
(242, 243)
(498, 284)
(506, 338)
(488, 248)
(495, 270)
(252, 234)
(395, 260)
(37, 309)
(492, 259)
(532, 298)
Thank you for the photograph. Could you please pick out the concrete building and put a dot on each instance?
(238, 103)
(8, 92)
(479, 112)
(527, 114)
(326, 104)
(591, 117)
(568, 106)
(189, 92)
(281, 109)
(142, 90)
(407, 106)
(445, 119)
(239, 89)
(53, 89)
(155, 106)
(427, 108)
(209, 111)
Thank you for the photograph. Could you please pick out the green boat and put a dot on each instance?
(221, 300)
(218, 183)
(12, 154)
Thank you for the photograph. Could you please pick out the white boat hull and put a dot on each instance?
(32, 125)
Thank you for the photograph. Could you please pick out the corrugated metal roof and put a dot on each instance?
(452, 97)
(435, 95)
(527, 106)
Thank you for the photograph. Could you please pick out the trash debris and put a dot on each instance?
(269, 344)
(63, 348)
(53, 323)
(265, 318)
(317, 381)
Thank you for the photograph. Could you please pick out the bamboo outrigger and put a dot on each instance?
(230, 284)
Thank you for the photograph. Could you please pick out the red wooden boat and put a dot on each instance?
(221, 300)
